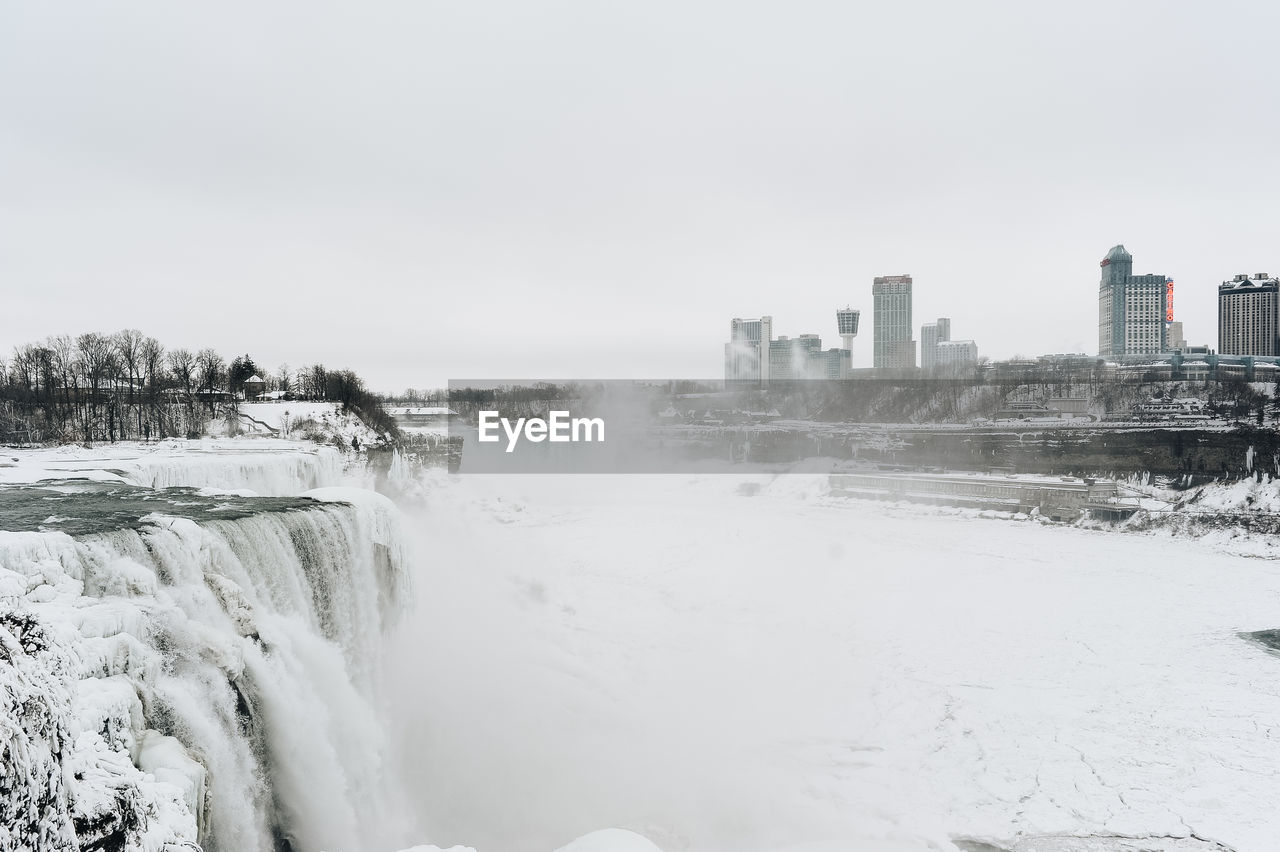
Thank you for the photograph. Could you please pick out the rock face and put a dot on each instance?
(198, 675)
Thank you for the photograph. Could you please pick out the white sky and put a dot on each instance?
(431, 190)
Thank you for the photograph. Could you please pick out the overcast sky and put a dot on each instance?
(433, 190)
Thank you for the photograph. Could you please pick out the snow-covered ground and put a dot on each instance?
(302, 419)
(1260, 495)
(723, 668)
(682, 663)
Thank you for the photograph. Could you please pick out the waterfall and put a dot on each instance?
(399, 474)
(187, 679)
(268, 472)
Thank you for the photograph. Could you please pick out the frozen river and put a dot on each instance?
(724, 671)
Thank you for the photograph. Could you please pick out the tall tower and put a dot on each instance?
(891, 322)
(1117, 266)
(847, 323)
(1131, 308)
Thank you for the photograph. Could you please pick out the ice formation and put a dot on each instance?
(203, 673)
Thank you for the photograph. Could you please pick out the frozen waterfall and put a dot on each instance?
(183, 668)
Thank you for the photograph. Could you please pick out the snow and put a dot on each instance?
(293, 419)
(1245, 495)
(263, 466)
(610, 840)
(710, 663)
(169, 761)
(730, 669)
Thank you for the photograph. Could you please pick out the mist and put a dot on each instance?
(749, 664)
(578, 675)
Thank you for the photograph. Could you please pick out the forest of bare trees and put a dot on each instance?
(128, 386)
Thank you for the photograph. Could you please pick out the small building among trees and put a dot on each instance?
(253, 386)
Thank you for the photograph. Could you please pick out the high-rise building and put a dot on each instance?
(1174, 338)
(790, 358)
(930, 336)
(746, 355)
(834, 364)
(1131, 308)
(956, 353)
(804, 358)
(1249, 316)
(892, 345)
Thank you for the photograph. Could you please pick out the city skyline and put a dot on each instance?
(457, 177)
(1135, 315)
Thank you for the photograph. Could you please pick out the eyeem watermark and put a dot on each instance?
(558, 427)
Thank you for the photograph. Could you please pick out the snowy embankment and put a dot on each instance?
(1241, 517)
(323, 422)
(1254, 495)
(264, 466)
(200, 668)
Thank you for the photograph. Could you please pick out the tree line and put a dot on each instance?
(128, 386)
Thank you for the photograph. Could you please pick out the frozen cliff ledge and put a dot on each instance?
(267, 467)
(178, 668)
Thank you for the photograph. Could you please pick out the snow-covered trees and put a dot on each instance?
(107, 387)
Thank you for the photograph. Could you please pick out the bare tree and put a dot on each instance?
(182, 369)
(128, 345)
(319, 381)
(97, 360)
(211, 373)
(152, 373)
(129, 351)
(22, 368)
(301, 379)
(65, 368)
(152, 362)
